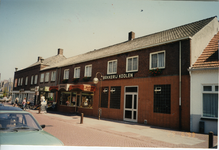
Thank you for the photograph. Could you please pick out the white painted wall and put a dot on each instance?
(201, 39)
(198, 79)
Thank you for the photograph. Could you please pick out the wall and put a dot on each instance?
(198, 78)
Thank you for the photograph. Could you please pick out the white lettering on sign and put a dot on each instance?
(127, 75)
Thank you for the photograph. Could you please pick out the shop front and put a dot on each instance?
(50, 95)
(75, 97)
(21, 94)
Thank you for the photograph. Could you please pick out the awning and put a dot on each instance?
(82, 87)
(53, 88)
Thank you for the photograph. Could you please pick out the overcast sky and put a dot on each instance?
(32, 28)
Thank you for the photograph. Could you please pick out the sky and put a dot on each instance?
(32, 28)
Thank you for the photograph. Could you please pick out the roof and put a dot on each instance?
(209, 57)
(174, 34)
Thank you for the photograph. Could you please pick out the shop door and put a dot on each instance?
(131, 106)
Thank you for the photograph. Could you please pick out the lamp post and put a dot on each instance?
(95, 81)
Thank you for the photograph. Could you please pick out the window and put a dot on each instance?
(132, 64)
(77, 72)
(104, 97)
(88, 71)
(115, 94)
(31, 80)
(53, 76)
(47, 77)
(26, 81)
(42, 77)
(210, 101)
(66, 74)
(157, 60)
(162, 99)
(112, 67)
(19, 80)
(15, 83)
(35, 81)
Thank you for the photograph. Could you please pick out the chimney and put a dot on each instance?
(60, 51)
(42, 60)
(39, 58)
(131, 36)
(16, 69)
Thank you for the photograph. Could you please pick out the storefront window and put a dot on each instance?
(80, 99)
(31, 97)
(65, 98)
(51, 97)
(86, 99)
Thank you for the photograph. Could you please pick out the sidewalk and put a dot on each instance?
(124, 133)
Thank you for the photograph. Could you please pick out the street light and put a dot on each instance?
(96, 80)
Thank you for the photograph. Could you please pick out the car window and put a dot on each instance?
(17, 120)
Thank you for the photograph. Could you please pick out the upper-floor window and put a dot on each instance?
(157, 60)
(35, 81)
(31, 82)
(53, 76)
(26, 81)
(19, 81)
(66, 74)
(132, 64)
(77, 72)
(210, 101)
(47, 77)
(112, 67)
(15, 83)
(41, 77)
(88, 71)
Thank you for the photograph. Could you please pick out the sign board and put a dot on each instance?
(36, 88)
(64, 86)
(119, 76)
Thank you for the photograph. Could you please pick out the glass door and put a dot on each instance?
(130, 106)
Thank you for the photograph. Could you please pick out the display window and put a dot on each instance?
(79, 99)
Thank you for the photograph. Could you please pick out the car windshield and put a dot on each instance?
(17, 122)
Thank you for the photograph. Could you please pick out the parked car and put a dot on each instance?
(17, 127)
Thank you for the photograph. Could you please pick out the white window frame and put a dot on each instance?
(85, 71)
(31, 80)
(108, 67)
(53, 75)
(35, 79)
(150, 60)
(26, 80)
(213, 91)
(132, 70)
(41, 77)
(19, 80)
(66, 74)
(77, 72)
(47, 77)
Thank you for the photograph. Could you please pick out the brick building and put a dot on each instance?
(143, 79)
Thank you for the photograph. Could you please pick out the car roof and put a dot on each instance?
(9, 108)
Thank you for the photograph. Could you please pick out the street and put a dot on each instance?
(112, 133)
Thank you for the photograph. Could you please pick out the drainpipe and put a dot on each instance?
(180, 84)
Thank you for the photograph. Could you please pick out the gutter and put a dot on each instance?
(196, 69)
(180, 85)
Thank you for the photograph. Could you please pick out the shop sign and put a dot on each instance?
(41, 89)
(36, 88)
(21, 90)
(32, 89)
(46, 88)
(119, 76)
(83, 87)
